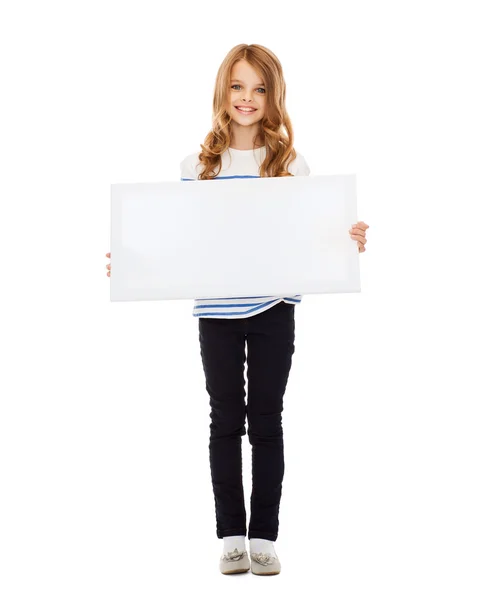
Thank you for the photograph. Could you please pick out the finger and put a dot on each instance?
(360, 238)
(108, 254)
(356, 229)
(361, 225)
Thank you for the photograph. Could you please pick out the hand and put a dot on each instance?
(108, 266)
(358, 232)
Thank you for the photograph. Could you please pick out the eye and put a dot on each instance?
(260, 88)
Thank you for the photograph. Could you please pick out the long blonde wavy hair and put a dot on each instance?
(276, 132)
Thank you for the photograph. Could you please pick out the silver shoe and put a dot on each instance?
(264, 563)
(234, 562)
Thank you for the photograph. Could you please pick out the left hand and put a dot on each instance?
(358, 232)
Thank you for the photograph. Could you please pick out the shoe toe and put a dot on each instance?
(234, 562)
(264, 564)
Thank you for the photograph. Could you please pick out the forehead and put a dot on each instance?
(242, 71)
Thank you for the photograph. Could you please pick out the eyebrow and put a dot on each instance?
(243, 81)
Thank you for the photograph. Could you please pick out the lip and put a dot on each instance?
(244, 113)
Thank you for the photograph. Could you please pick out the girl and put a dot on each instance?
(251, 136)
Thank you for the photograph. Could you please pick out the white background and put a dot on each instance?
(104, 425)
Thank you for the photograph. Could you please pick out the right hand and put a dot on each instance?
(108, 266)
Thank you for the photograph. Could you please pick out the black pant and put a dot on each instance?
(270, 346)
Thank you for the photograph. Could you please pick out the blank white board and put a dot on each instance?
(226, 238)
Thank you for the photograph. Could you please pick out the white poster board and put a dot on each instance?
(226, 238)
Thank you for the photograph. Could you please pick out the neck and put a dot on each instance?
(242, 137)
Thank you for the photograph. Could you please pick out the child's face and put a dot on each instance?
(246, 89)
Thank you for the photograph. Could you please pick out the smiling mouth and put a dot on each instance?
(245, 112)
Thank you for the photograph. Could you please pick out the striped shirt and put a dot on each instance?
(238, 164)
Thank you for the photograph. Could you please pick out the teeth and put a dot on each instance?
(245, 109)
